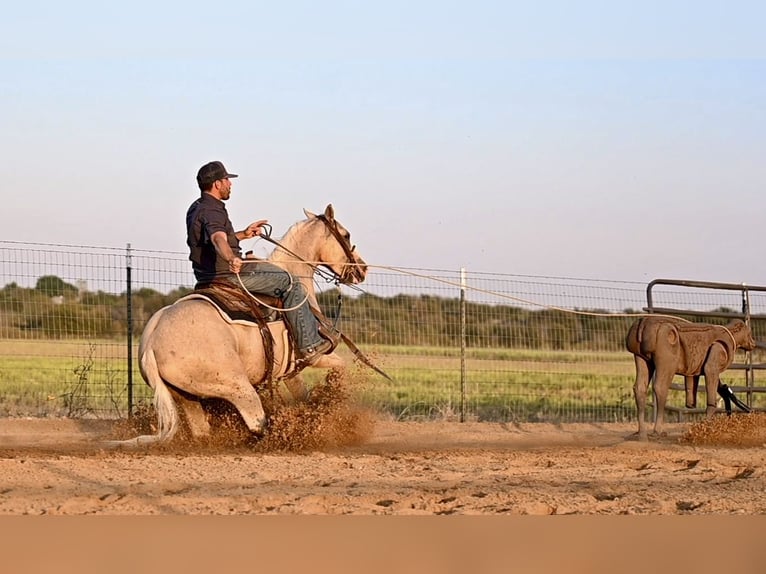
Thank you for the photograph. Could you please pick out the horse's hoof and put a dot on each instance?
(639, 435)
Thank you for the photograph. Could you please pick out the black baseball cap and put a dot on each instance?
(211, 172)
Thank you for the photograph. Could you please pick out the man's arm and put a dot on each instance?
(222, 247)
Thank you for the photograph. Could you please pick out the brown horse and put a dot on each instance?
(667, 346)
(190, 351)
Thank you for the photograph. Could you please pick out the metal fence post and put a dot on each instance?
(462, 345)
(749, 373)
(128, 292)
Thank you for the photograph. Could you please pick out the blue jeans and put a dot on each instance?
(267, 279)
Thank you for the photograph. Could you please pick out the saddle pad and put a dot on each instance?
(239, 318)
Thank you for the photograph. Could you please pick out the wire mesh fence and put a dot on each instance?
(457, 344)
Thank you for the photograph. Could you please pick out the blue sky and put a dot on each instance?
(612, 140)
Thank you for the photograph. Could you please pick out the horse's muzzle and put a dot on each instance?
(354, 272)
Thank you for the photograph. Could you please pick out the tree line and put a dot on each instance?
(56, 309)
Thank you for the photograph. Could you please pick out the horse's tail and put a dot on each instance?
(167, 413)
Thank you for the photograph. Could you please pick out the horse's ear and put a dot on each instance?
(329, 213)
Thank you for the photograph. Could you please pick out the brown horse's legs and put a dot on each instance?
(662, 379)
(644, 372)
(714, 363)
(691, 383)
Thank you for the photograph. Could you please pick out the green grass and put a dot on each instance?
(66, 378)
(501, 384)
(89, 378)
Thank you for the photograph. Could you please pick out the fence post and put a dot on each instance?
(749, 373)
(462, 346)
(128, 292)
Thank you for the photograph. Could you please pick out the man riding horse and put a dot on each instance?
(216, 256)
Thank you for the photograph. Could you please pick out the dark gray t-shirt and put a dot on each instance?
(206, 216)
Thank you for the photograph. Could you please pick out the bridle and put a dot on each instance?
(349, 270)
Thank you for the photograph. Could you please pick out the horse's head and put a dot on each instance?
(743, 335)
(337, 252)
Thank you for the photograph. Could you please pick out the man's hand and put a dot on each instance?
(255, 228)
(235, 265)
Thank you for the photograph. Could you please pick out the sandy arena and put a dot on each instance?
(59, 467)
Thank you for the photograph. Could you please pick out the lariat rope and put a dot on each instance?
(528, 302)
(517, 299)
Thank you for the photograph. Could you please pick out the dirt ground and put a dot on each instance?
(60, 467)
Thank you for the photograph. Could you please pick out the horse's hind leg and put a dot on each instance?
(231, 385)
(240, 393)
(194, 414)
(717, 358)
(663, 376)
(644, 372)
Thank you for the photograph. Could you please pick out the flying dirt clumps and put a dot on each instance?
(736, 430)
(329, 418)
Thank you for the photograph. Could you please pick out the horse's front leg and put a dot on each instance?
(691, 383)
(297, 388)
(329, 361)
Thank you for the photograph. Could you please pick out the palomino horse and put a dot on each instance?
(189, 352)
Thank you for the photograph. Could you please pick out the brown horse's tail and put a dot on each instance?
(635, 336)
